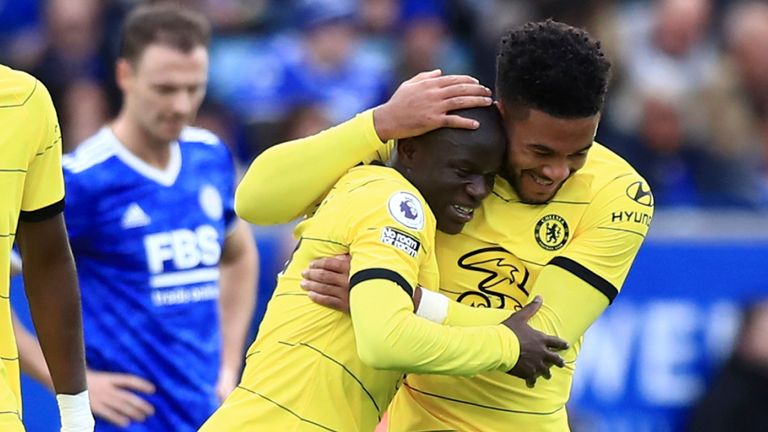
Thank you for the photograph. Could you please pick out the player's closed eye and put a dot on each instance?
(463, 172)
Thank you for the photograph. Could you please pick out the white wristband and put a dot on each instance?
(75, 412)
(433, 306)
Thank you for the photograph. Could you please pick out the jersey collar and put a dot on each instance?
(165, 177)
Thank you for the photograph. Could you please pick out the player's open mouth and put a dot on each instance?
(541, 185)
(463, 213)
(540, 180)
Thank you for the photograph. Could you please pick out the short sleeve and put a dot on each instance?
(610, 234)
(44, 183)
(391, 237)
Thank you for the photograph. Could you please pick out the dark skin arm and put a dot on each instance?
(54, 300)
(327, 283)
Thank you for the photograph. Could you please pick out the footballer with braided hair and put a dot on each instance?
(565, 221)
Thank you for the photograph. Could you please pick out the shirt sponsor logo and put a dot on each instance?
(504, 279)
(183, 265)
(551, 232)
(640, 193)
(631, 216)
(400, 240)
(184, 295)
(406, 209)
(183, 249)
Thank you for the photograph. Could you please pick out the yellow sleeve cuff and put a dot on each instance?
(371, 137)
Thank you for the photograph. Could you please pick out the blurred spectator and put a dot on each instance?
(379, 17)
(671, 41)
(223, 123)
(733, 108)
(235, 15)
(377, 24)
(679, 170)
(304, 121)
(426, 42)
(85, 111)
(491, 19)
(736, 400)
(72, 66)
(664, 43)
(74, 35)
(344, 80)
(321, 64)
(21, 38)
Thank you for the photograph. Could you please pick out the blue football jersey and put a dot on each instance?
(147, 243)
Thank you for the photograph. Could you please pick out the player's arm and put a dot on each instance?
(593, 267)
(31, 359)
(49, 269)
(54, 301)
(283, 182)
(239, 269)
(327, 283)
(390, 336)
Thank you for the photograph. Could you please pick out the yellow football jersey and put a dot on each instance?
(32, 188)
(593, 228)
(304, 373)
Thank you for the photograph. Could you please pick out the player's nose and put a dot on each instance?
(478, 187)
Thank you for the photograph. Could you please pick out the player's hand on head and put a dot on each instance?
(537, 350)
(114, 399)
(421, 104)
(327, 282)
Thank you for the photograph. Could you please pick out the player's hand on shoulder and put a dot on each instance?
(327, 282)
(114, 397)
(421, 104)
(537, 350)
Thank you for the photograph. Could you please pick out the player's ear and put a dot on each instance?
(123, 73)
(406, 152)
(500, 106)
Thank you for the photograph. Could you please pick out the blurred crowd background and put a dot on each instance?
(688, 105)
